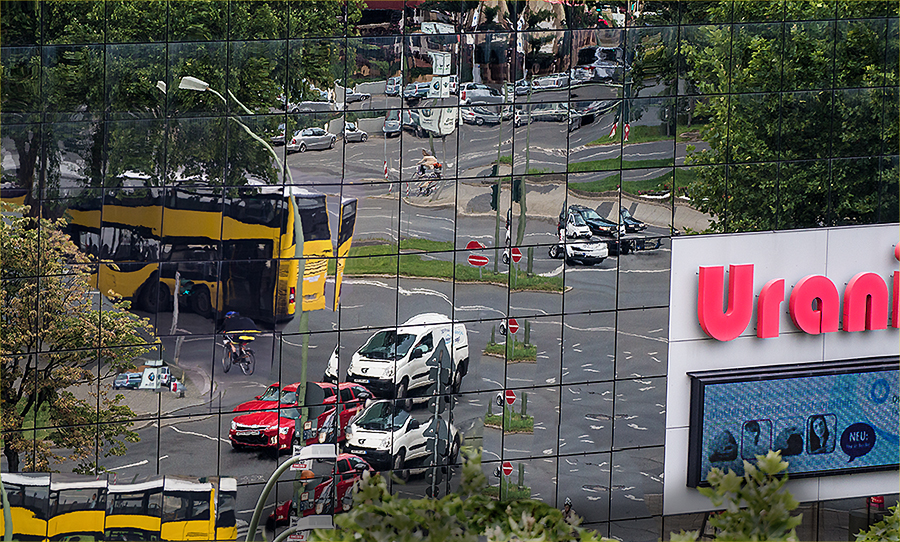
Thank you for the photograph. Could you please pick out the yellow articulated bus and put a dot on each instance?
(134, 511)
(226, 499)
(77, 508)
(29, 503)
(189, 509)
(234, 249)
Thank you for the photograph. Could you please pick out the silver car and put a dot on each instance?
(311, 138)
(353, 133)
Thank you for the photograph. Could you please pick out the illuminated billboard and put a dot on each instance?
(825, 418)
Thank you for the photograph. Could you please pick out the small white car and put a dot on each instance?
(387, 437)
(587, 251)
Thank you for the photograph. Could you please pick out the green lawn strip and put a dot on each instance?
(514, 423)
(382, 260)
(521, 351)
(512, 492)
(507, 159)
(614, 164)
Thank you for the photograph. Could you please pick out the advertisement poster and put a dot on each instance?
(833, 423)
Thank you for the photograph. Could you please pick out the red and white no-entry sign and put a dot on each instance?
(516, 256)
(474, 245)
(478, 260)
(513, 325)
(510, 397)
(507, 468)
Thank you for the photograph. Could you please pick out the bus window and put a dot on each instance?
(29, 503)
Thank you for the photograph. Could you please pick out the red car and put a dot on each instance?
(328, 418)
(323, 499)
(270, 399)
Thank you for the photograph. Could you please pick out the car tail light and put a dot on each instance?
(292, 295)
(464, 95)
(293, 141)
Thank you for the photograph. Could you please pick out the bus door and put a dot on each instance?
(188, 511)
(134, 511)
(77, 507)
(29, 503)
(226, 496)
(346, 225)
(317, 248)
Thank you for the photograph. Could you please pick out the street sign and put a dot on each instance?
(478, 260)
(513, 325)
(510, 397)
(516, 256)
(507, 468)
(440, 63)
(474, 245)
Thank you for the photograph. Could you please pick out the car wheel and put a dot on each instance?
(457, 380)
(402, 395)
(505, 258)
(554, 251)
(454, 451)
(479, 121)
(398, 467)
(331, 145)
(302, 147)
(570, 261)
(154, 295)
(364, 137)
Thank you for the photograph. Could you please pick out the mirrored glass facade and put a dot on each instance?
(414, 228)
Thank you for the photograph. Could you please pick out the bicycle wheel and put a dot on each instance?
(226, 359)
(248, 362)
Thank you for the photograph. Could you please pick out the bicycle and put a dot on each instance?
(237, 352)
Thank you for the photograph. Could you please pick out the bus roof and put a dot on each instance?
(135, 488)
(227, 484)
(85, 484)
(27, 479)
(181, 484)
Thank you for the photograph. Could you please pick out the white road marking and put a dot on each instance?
(193, 434)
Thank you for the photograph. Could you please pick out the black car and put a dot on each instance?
(632, 224)
(604, 228)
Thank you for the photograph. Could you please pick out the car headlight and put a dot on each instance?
(385, 444)
(284, 430)
(320, 508)
(233, 425)
(389, 372)
(322, 436)
(348, 431)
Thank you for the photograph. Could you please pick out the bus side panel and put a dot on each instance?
(285, 298)
(315, 254)
(83, 522)
(188, 530)
(124, 279)
(26, 526)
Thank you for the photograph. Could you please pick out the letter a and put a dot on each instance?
(730, 324)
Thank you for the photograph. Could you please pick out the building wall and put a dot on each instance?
(739, 117)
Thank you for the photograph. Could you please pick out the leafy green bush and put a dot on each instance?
(887, 529)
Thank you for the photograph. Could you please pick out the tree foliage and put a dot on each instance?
(886, 530)
(377, 515)
(57, 334)
(757, 507)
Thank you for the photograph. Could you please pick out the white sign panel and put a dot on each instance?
(440, 63)
(808, 262)
(439, 87)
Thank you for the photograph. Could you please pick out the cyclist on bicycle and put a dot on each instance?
(239, 332)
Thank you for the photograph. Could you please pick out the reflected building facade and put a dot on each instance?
(464, 208)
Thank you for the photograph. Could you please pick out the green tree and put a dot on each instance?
(886, 530)
(757, 507)
(56, 335)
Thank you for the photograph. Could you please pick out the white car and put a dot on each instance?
(387, 437)
(353, 133)
(311, 138)
(587, 251)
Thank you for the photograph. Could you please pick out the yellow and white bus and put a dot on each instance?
(234, 249)
(226, 499)
(29, 503)
(77, 507)
(134, 511)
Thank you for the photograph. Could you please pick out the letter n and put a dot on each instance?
(730, 324)
(865, 303)
(824, 317)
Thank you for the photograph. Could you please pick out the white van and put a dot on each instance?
(394, 361)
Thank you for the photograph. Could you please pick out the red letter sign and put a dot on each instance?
(865, 303)
(822, 319)
(768, 307)
(733, 322)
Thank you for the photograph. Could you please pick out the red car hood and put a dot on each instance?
(268, 419)
(256, 405)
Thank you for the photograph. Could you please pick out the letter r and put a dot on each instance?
(768, 307)
(730, 324)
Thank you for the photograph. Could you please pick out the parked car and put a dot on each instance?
(389, 438)
(275, 429)
(605, 228)
(353, 133)
(336, 491)
(411, 123)
(631, 224)
(596, 63)
(479, 115)
(415, 91)
(274, 396)
(392, 86)
(454, 84)
(351, 96)
(550, 82)
(578, 249)
(478, 93)
(311, 138)
(551, 112)
(127, 380)
(278, 138)
(391, 126)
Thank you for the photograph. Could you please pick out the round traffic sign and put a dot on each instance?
(513, 325)
(507, 468)
(478, 260)
(516, 256)
(510, 397)
(474, 245)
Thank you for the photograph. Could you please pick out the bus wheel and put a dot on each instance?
(201, 302)
(154, 296)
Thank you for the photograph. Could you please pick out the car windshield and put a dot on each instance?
(271, 394)
(625, 213)
(382, 416)
(393, 115)
(590, 214)
(351, 127)
(388, 345)
(578, 220)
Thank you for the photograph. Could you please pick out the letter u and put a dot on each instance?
(730, 324)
